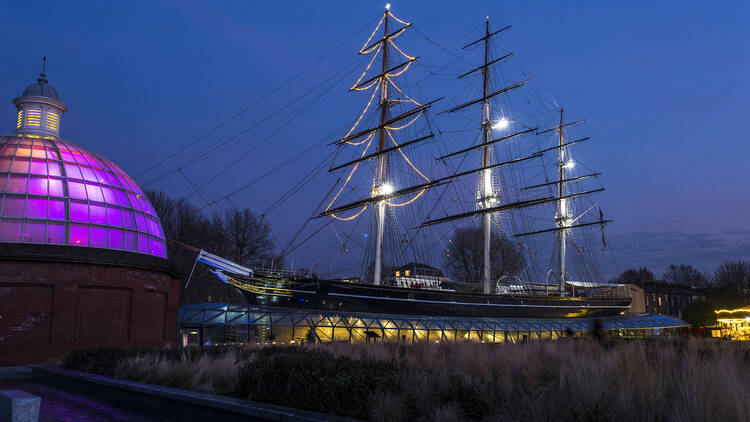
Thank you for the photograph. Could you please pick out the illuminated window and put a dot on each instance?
(407, 272)
(659, 300)
(34, 118)
(20, 118)
(53, 121)
(398, 273)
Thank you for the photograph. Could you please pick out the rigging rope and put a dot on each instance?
(254, 103)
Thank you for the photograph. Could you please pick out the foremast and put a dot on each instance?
(383, 190)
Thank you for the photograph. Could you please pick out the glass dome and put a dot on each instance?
(55, 192)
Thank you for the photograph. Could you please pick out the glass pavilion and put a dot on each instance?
(210, 324)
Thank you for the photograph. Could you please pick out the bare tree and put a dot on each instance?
(735, 274)
(636, 276)
(238, 235)
(247, 238)
(684, 274)
(464, 260)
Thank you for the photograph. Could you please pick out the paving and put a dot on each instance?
(62, 406)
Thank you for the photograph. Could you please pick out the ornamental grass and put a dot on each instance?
(573, 379)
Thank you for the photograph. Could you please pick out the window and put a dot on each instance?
(53, 121)
(34, 118)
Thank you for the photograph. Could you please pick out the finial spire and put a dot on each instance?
(43, 75)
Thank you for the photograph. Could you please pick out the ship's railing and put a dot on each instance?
(284, 273)
(536, 290)
(605, 294)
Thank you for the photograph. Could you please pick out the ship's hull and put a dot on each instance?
(352, 297)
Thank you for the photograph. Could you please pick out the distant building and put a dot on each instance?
(660, 298)
(82, 251)
(733, 323)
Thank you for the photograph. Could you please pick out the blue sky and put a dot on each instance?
(663, 86)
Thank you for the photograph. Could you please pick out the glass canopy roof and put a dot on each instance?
(226, 313)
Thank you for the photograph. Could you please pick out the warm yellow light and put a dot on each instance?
(731, 311)
(34, 118)
(20, 118)
(53, 121)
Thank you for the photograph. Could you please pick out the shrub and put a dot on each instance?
(680, 380)
(315, 380)
(100, 360)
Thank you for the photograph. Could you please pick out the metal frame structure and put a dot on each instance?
(222, 323)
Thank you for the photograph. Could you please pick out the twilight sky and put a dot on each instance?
(663, 86)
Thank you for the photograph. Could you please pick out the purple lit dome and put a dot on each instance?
(55, 192)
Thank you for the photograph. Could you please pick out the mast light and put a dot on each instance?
(569, 164)
(387, 6)
(386, 189)
(501, 124)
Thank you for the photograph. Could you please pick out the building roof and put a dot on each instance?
(419, 269)
(226, 313)
(41, 88)
(56, 192)
(675, 289)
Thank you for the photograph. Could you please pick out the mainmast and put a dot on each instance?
(382, 160)
(487, 200)
(486, 194)
(562, 212)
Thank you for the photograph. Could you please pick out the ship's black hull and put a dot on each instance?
(351, 297)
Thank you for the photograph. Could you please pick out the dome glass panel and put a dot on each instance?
(56, 192)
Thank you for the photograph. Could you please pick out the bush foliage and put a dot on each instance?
(680, 380)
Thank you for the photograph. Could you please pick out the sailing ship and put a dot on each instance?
(498, 199)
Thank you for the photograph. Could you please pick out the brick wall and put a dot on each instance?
(50, 307)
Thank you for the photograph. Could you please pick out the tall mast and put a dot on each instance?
(380, 168)
(486, 175)
(562, 212)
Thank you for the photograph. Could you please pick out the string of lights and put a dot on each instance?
(351, 173)
(404, 155)
(397, 19)
(393, 84)
(376, 85)
(374, 56)
(404, 126)
(356, 123)
(399, 50)
(371, 35)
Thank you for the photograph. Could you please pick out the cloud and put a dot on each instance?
(656, 250)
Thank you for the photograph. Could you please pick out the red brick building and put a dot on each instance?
(82, 251)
